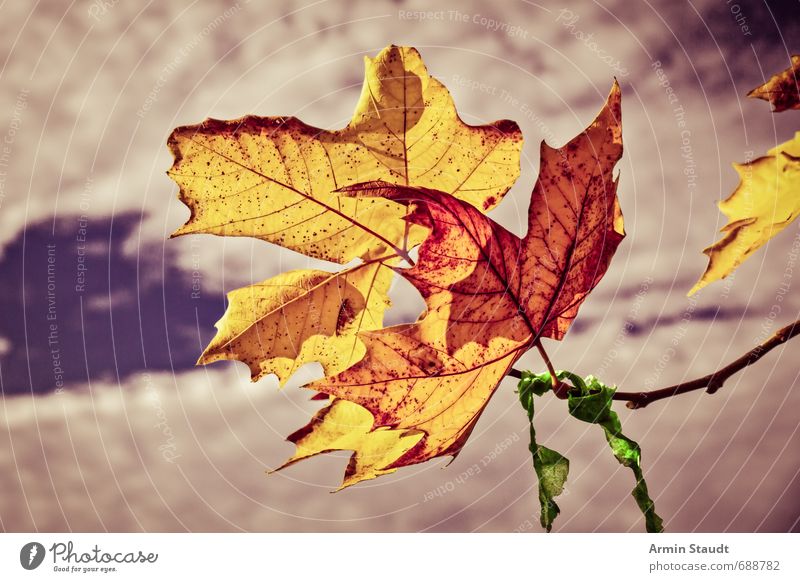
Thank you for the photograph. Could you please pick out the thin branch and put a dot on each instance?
(712, 382)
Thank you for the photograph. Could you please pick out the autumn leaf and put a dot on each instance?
(490, 295)
(344, 425)
(274, 178)
(783, 89)
(765, 202)
(302, 316)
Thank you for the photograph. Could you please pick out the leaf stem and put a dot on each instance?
(559, 388)
(547, 362)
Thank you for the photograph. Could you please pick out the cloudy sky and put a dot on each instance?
(140, 439)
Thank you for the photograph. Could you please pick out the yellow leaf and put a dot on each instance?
(343, 426)
(302, 316)
(405, 384)
(489, 294)
(783, 89)
(275, 178)
(766, 200)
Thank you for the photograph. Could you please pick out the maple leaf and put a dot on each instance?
(764, 203)
(302, 316)
(275, 178)
(489, 294)
(782, 90)
(344, 425)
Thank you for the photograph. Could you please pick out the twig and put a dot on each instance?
(715, 380)
(712, 382)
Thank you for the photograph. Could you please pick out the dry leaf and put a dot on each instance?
(344, 425)
(275, 178)
(302, 316)
(783, 89)
(766, 200)
(489, 294)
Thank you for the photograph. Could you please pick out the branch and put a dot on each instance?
(712, 382)
(715, 380)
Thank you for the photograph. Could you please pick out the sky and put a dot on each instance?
(124, 433)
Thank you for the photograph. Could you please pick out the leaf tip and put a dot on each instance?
(697, 286)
